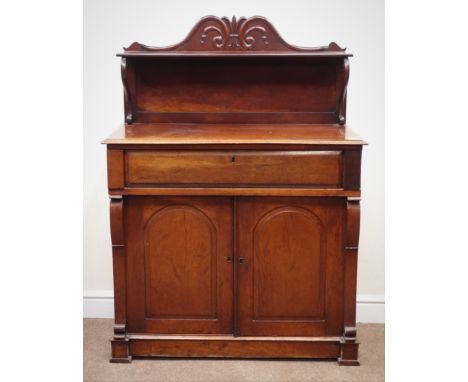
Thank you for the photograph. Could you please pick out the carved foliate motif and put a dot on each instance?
(233, 33)
(254, 34)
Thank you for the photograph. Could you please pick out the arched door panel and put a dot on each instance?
(179, 268)
(289, 271)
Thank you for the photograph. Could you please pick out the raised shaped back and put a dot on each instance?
(236, 71)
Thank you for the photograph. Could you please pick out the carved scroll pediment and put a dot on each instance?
(212, 33)
(234, 34)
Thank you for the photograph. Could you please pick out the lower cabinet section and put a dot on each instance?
(233, 277)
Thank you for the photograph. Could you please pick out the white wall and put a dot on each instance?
(111, 24)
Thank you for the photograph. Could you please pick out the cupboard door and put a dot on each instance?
(179, 269)
(290, 266)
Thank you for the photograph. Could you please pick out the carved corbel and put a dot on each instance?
(127, 95)
(350, 260)
(342, 104)
(120, 342)
(349, 344)
(349, 334)
(120, 331)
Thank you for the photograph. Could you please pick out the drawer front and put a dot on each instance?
(212, 168)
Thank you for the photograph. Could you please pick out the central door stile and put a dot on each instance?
(235, 299)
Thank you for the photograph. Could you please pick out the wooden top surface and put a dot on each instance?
(188, 54)
(199, 134)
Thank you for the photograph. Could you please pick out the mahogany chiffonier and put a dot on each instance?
(235, 189)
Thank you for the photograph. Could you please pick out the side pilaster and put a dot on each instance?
(120, 342)
(349, 344)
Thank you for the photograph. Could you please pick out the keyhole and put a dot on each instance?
(233, 159)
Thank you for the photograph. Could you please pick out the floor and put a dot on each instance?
(97, 368)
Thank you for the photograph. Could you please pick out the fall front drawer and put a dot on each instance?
(320, 168)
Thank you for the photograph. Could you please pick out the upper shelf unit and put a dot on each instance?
(241, 71)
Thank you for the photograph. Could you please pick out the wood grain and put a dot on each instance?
(119, 343)
(234, 348)
(181, 264)
(349, 346)
(119, 267)
(234, 167)
(233, 134)
(352, 169)
(291, 255)
(235, 191)
(179, 276)
(115, 165)
(225, 90)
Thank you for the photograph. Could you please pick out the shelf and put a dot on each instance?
(181, 54)
(233, 134)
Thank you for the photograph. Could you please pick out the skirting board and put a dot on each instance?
(100, 304)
